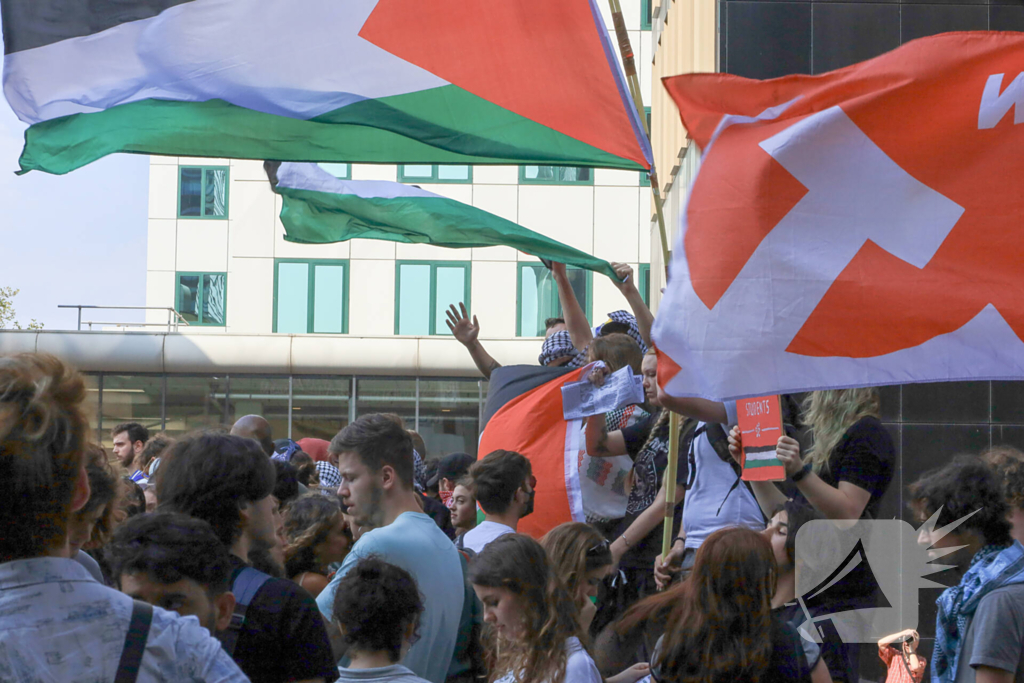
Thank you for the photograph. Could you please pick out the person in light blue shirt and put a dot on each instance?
(376, 466)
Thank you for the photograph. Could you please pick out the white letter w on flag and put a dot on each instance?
(995, 106)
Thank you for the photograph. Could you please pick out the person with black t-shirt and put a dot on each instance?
(850, 466)
(227, 481)
(639, 539)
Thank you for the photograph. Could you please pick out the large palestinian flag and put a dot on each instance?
(524, 414)
(416, 81)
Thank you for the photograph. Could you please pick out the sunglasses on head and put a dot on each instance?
(597, 549)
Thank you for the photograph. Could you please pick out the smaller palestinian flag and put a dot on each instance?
(529, 421)
(319, 208)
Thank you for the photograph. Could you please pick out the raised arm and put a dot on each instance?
(627, 285)
(575, 319)
(467, 332)
(698, 408)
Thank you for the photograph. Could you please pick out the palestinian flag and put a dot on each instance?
(383, 81)
(319, 208)
(529, 421)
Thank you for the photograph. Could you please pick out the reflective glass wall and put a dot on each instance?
(446, 412)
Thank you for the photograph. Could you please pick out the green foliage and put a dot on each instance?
(7, 320)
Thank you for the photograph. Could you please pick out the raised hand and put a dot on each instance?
(459, 323)
(625, 274)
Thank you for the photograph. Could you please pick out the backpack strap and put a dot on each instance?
(245, 584)
(134, 643)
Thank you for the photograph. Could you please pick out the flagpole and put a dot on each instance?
(629, 66)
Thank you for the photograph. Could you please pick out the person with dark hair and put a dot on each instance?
(228, 482)
(129, 440)
(377, 608)
(375, 461)
(503, 484)
(175, 562)
(257, 428)
(317, 537)
(286, 481)
(58, 623)
(135, 498)
(149, 458)
(1008, 464)
(450, 469)
(91, 526)
(979, 629)
(535, 634)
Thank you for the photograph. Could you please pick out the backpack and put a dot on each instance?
(134, 643)
(245, 584)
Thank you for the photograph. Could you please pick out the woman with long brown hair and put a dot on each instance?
(317, 536)
(580, 558)
(719, 626)
(534, 635)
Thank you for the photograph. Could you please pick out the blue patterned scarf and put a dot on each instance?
(991, 567)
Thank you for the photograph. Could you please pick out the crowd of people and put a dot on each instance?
(229, 556)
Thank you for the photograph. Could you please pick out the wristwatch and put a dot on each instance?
(802, 472)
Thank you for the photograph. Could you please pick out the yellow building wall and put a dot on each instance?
(685, 41)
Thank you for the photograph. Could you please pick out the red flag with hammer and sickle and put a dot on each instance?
(857, 228)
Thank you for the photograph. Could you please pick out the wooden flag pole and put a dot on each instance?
(629, 66)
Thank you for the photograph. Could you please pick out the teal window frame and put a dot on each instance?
(556, 305)
(644, 282)
(202, 193)
(432, 315)
(646, 14)
(523, 180)
(645, 177)
(434, 175)
(348, 173)
(199, 296)
(311, 291)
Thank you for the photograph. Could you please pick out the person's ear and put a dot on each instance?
(82, 492)
(388, 478)
(244, 514)
(138, 446)
(224, 607)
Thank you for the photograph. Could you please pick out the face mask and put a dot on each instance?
(529, 505)
(446, 498)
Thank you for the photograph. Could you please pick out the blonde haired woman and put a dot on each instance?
(850, 466)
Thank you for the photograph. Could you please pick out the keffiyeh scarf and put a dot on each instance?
(991, 567)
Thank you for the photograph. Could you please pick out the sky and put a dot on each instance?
(79, 238)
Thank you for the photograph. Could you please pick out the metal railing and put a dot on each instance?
(173, 317)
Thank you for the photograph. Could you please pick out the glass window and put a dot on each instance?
(311, 297)
(201, 298)
(556, 175)
(266, 396)
(425, 290)
(645, 177)
(319, 406)
(194, 403)
(435, 173)
(203, 192)
(387, 395)
(646, 14)
(644, 283)
(538, 297)
(450, 415)
(130, 398)
(340, 171)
